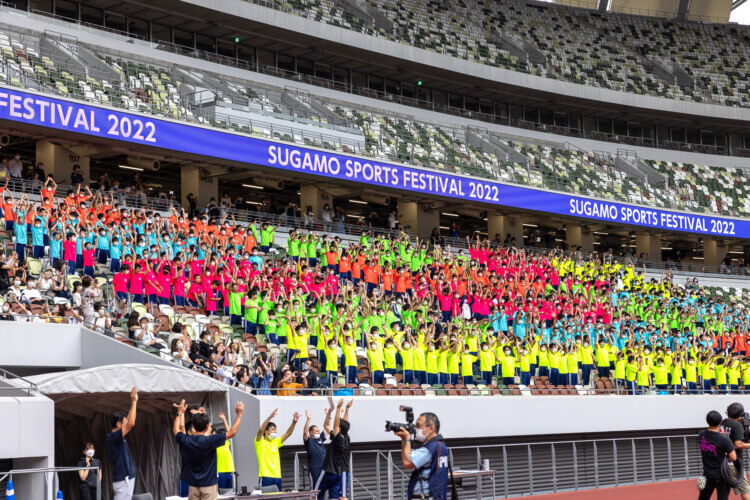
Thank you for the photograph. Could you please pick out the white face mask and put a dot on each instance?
(422, 434)
(272, 435)
(89, 453)
(315, 435)
(17, 282)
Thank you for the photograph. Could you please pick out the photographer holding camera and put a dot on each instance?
(430, 462)
(734, 427)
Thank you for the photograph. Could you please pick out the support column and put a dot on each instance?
(504, 225)
(315, 197)
(191, 182)
(648, 244)
(713, 251)
(59, 162)
(418, 220)
(579, 237)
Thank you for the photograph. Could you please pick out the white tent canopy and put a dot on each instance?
(86, 399)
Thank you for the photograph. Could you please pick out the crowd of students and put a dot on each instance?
(384, 305)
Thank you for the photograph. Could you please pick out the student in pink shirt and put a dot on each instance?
(178, 283)
(164, 279)
(151, 286)
(88, 260)
(69, 252)
(195, 297)
(120, 281)
(136, 284)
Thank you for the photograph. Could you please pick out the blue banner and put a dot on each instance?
(44, 111)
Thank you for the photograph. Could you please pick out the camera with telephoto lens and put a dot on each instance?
(409, 426)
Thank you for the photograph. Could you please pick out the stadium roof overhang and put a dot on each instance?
(252, 34)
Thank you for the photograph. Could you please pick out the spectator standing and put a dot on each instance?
(714, 447)
(334, 479)
(267, 444)
(315, 446)
(732, 428)
(199, 451)
(123, 470)
(15, 167)
(88, 477)
(76, 177)
(429, 464)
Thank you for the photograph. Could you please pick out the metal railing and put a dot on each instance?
(31, 388)
(544, 176)
(530, 468)
(51, 487)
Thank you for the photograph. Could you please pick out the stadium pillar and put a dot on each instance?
(649, 245)
(59, 161)
(713, 251)
(191, 182)
(418, 219)
(504, 225)
(579, 237)
(314, 197)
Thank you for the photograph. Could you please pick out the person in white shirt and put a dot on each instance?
(15, 166)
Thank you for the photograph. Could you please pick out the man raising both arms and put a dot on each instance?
(123, 470)
(267, 444)
(199, 450)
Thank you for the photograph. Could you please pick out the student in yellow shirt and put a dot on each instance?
(267, 444)
(375, 359)
(631, 370)
(486, 363)
(467, 366)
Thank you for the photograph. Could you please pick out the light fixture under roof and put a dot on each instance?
(128, 167)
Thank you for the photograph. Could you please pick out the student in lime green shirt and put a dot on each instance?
(407, 361)
(349, 352)
(631, 370)
(267, 444)
(332, 361)
(467, 366)
(486, 363)
(252, 306)
(432, 363)
(389, 357)
(642, 376)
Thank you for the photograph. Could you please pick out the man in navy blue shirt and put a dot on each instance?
(199, 451)
(315, 440)
(123, 470)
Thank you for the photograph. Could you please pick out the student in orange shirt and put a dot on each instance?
(389, 275)
(356, 272)
(345, 266)
(372, 274)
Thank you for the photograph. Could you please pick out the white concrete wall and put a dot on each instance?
(40, 344)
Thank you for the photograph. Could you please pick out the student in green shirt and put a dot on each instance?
(252, 308)
(266, 236)
(235, 305)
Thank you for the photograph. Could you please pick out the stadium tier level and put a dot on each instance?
(327, 211)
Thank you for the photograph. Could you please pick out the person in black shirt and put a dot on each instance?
(314, 440)
(714, 447)
(88, 477)
(334, 478)
(733, 429)
(199, 450)
(123, 470)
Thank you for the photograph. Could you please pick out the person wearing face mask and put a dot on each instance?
(314, 440)
(430, 463)
(88, 477)
(334, 479)
(267, 444)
